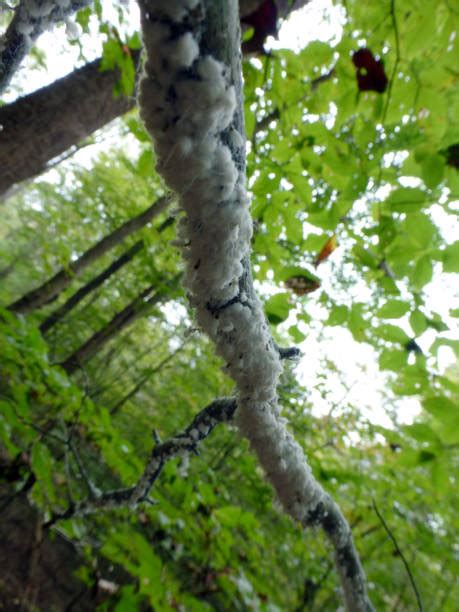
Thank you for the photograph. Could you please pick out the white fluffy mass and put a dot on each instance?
(36, 16)
(188, 103)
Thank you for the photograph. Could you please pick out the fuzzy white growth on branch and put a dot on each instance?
(191, 107)
(188, 103)
(31, 19)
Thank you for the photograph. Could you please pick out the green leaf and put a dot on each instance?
(392, 333)
(112, 55)
(406, 200)
(441, 474)
(453, 344)
(42, 466)
(433, 168)
(357, 324)
(451, 257)
(338, 315)
(422, 273)
(412, 380)
(393, 309)
(426, 456)
(296, 334)
(145, 164)
(420, 232)
(134, 41)
(136, 127)
(418, 322)
(446, 413)
(82, 18)
(277, 308)
(129, 600)
(437, 323)
(422, 433)
(290, 271)
(393, 360)
(365, 256)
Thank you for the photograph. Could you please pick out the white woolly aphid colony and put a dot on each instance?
(36, 16)
(188, 105)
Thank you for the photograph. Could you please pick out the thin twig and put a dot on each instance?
(391, 81)
(397, 58)
(93, 490)
(400, 553)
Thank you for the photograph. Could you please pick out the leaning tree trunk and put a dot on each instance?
(133, 311)
(44, 124)
(58, 314)
(191, 103)
(50, 290)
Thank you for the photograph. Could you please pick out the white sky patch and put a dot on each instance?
(318, 20)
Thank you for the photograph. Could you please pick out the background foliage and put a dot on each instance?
(370, 175)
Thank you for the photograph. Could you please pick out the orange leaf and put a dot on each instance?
(326, 250)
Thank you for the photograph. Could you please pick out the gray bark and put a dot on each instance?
(44, 124)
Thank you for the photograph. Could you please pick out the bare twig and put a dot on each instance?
(401, 555)
(397, 59)
(93, 490)
(146, 377)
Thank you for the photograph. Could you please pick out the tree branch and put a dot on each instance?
(44, 124)
(219, 411)
(191, 102)
(141, 304)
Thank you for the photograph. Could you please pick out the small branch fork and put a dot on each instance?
(219, 411)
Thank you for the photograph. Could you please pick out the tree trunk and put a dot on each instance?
(61, 280)
(53, 584)
(133, 311)
(44, 124)
(93, 284)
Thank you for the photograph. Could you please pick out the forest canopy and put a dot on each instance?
(352, 170)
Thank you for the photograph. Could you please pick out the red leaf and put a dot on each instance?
(369, 71)
(264, 22)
